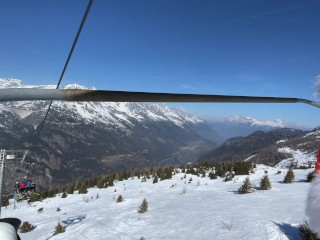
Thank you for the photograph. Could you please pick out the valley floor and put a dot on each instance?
(202, 209)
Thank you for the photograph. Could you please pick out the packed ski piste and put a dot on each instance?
(185, 206)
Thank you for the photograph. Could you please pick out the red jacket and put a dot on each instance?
(22, 185)
(318, 162)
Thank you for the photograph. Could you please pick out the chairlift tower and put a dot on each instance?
(15, 157)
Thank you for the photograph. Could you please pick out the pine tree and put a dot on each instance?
(155, 179)
(265, 183)
(70, 189)
(83, 189)
(26, 227)
(289, 176)
(143, 207)
(246, 187)
(102, 182)
(59, 229)
(5, 201)
(35, 197)
(306, 233)
(310, 176)
(77, 186)
(50, 193)
(44, 194)
(110, 180)
(120, 198)
(212, 175)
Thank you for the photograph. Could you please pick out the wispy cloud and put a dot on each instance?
(185, 86)
(267, 13)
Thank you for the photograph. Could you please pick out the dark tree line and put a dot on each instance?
(202, 169)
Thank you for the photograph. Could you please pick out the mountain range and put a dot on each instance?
(235, 125)
(267, 147)
(83, 139)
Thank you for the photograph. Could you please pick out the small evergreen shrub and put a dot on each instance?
(59, 229)
(143, 207)
(212, 176)
(310, 176)
(306, 233)
(289, 177)
(70, 189)
(265, 183)
(64, 195)
(83, 189)
(44, 194)
(26, 227)
(101, 183)
(246, 187)
(155, 179)
(5, 202)
(51, 192)
(35, 197)
(120, 198)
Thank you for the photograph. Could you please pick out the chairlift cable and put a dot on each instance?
(67, 61)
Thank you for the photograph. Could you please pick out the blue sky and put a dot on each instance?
(268, 48)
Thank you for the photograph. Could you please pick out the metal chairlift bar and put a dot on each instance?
(28, 94)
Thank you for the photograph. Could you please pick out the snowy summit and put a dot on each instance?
(277, 123)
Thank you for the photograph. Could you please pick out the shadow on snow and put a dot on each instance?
(291, 232)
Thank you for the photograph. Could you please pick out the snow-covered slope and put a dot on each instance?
(236, 125)
(299, 158)
(202, 209)
(236, 119)
(302, 151)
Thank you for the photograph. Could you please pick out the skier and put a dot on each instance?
(22, 186)
(33, 186)
(28, 185)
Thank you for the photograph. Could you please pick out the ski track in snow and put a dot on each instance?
(274, 232)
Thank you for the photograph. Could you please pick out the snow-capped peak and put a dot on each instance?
(77, 86)
(10, 83)
(277, 123)
(123, 114)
